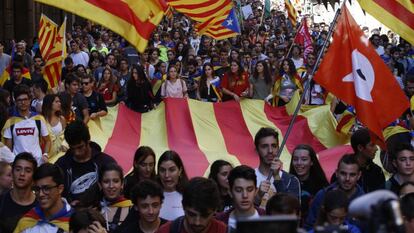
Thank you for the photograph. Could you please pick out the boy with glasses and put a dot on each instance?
(25, 129)
(52, 213)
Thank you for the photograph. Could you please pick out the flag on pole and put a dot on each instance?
(397, 15)
(46, 35)
(133, 20)
(292, 13)
(353, 71)
(304, 38)
(53, 68)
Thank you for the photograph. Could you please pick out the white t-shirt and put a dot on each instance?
(26, 137)
(175, 90)
(172, 207)
(298, 62)
(233, 220)
(80, 58)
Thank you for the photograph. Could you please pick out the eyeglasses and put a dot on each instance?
(85, 83)
(45, 189)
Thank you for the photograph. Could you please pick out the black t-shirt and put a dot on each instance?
(11, 212)
(96, 102)
(78, 104)
(10, 84)
(79, 177)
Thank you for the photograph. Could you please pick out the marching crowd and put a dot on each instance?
(86, 191)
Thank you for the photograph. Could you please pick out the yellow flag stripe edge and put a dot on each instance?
(209, 137)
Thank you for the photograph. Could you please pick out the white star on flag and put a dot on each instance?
(229, 22)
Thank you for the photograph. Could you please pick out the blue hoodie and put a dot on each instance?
(318, 200)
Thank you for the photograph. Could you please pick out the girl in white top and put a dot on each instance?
(172, 177)
(174, 86)
(56, 123)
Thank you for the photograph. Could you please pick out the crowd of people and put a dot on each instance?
(86, 191)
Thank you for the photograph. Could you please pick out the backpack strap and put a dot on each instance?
(177, 225)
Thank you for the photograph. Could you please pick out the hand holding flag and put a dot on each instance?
(353, 72)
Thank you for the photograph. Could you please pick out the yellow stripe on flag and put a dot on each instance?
(323, 125)
(110, 20)
(154, 130)
(392, 21)
(209, 137)
(255, 118)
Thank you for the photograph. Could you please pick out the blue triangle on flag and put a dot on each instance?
(231, 22)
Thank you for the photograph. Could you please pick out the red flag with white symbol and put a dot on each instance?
(352, 71)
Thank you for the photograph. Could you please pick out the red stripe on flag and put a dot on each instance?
(49, 75)
(45, 43)
(123, 11)
(199, 5)
(300, 134)
(125, 137)
(398, 11)
(182, 138)
(237, 137)
(58, 71)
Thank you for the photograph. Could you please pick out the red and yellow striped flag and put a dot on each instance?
(397, 15)
(47, 35)
(134, 20)
(210, 14)
(204, 132)
(53, 68)
(292, 13)
(202, 10)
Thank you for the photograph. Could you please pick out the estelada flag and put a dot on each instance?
(353, 72)
(47, 36)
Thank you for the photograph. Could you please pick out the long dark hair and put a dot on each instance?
(316, 173)
(266, 72)
(215, 169)
(141, 76)
(47, 106)
(171, 155)
(203, 79)
(142, 153)
(239, 72)
(292, 69)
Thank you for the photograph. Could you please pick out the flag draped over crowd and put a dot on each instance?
(134, 20)
(204, 132)
(361, 78)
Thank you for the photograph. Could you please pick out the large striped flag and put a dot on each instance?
(397, 15)
(210, 15)
(134, 20)
(292, 13)
(53, 68)
(204, 132)
(46, 35)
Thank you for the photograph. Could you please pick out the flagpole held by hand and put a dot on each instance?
(307, 85)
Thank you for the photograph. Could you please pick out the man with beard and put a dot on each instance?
(147, 197)
(52, 212)
(20, 199)
(267, 145)
(348, 173)
(372, 178)
(201, 199)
